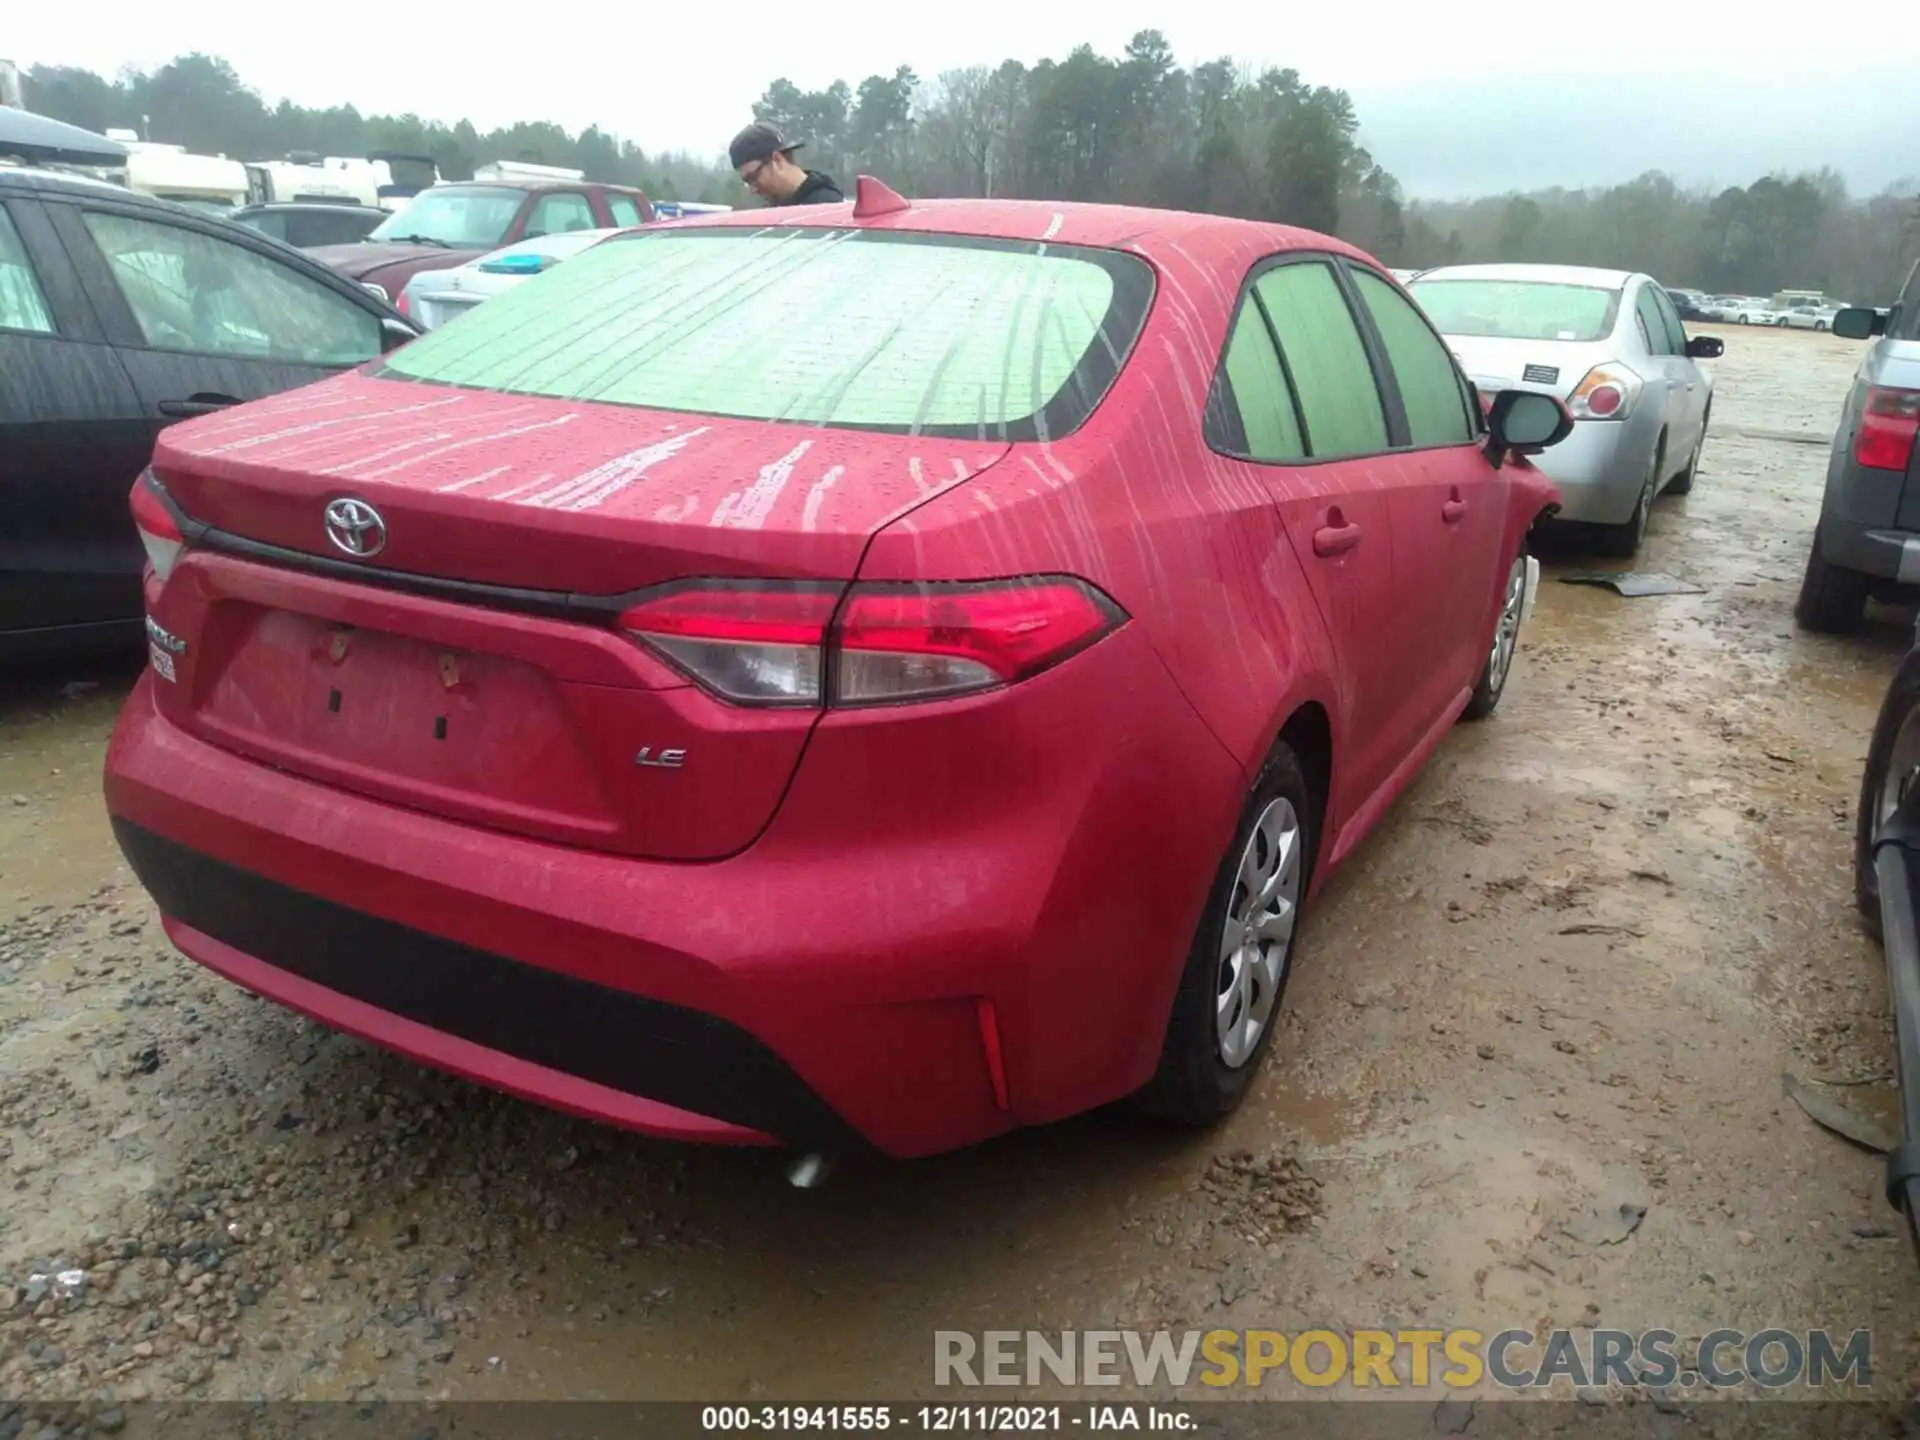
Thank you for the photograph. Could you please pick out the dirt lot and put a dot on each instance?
(1572, 967)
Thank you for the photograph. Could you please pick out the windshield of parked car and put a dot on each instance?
(905, 333)
(462, 217)
(1518, 309)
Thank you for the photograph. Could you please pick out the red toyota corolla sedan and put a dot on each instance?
(867, 677)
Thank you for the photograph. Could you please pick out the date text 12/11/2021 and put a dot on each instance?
(938, 1419)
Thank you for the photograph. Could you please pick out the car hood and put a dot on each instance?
(361, 258)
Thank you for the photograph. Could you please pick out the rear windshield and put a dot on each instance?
(912, 334)
(1518, 309)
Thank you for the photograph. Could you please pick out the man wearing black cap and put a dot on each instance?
(763, 157)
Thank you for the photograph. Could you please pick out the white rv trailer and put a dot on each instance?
(171, 172)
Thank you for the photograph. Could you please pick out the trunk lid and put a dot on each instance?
(1550, 367)
(484, 709)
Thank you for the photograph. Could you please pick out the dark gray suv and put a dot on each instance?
(1867, 542)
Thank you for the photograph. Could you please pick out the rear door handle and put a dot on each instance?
(197, 405)
(1452, 510)
(1335, 539)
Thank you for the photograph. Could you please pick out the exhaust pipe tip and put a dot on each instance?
(808, 1172)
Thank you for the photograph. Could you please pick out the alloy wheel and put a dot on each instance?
(1257, 939)
(1506, 635)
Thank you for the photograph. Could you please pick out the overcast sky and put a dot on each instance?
(1706, 91)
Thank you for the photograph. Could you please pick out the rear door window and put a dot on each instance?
(1430, 387)
(328, 227)
(1255, 397)
(1670, 322)
(195, 292)
(1339, 397)
(272, 223)
(1652, 325)
(1903, 322)
(560, 212)
(23, 305)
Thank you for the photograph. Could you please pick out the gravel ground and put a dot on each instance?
(1570, 970)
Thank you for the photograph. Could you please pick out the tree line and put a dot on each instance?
(1134, 129)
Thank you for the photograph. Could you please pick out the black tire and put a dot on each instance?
(1901, 700)
(1623, 541)
(1488, 689)
(1832, 601)
(1683, 482)
(1194, 1084)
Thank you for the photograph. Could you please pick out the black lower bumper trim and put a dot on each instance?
(640, 1046)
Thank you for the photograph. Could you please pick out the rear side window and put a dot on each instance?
(1430, 389)
(320, 227)
(871, 330)
(1648, 310)
(1903, 322)
(1327, 359)
(624, 211)
(1670, 321)
(208, 296)
(1269, 425)
(557, 214)
(22, 304)
(272, 224)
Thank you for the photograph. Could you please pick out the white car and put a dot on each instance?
(1736, 310)
(1611, 345)
(433, 297)
(1810, 317)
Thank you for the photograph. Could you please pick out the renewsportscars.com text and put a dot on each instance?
(1457, 1358)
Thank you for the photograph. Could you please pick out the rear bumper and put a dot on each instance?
(1599, 469)
(1877, 550)
(595, 1050)
(909, 959)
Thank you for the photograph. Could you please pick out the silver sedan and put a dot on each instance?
(1611, 345)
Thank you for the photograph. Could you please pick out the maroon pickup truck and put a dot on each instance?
(452, 223)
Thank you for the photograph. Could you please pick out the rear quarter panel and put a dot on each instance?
(1189, 542)
(1192, 546)
(1854, 493)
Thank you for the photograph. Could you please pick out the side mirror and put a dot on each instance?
(394, 334)
(1526, 422)
(1859, 323)
(1706, 347)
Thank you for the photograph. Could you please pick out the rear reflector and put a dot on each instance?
(1888, 425)
(885, 643)
(158, 531)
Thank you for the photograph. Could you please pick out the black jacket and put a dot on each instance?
(816, 189)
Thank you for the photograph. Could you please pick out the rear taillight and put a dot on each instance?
(755, 644)
(159, 531)
(1888, 424)
(758, 644)
(1606, 392)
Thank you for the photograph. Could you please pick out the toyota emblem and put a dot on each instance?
(355, 527)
